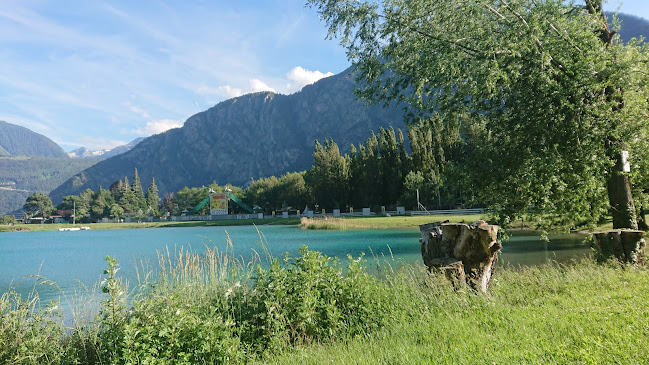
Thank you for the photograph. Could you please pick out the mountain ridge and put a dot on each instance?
(250, 136)
(16, 140)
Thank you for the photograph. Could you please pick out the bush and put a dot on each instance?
(309, 299)
(29, 335)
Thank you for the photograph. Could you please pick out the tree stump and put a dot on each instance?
(625, 245)
(465, 253)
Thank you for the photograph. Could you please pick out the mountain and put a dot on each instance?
(20, 141)
(22, 176)
(633, 27)
(251, 136)
(83, 152)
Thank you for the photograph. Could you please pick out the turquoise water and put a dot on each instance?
(70, 258)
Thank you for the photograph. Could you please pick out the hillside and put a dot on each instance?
(251, 136)
(20, 141)
(633, 27)
(22, 176)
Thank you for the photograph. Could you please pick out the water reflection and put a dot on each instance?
(528, 248)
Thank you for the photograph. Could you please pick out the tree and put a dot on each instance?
(139, 201)
(116, 211)
(102, 201)
(153, 199)
(329, 176)
(168, 203)
(126, 196)
(549, 96)
(7, 219)
(39, 205)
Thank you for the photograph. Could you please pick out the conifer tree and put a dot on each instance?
(152, 198)
(139, 201)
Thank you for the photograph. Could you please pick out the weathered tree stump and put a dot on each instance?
(465, 253)
(625, 245)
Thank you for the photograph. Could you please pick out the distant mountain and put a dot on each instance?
(20, 141)
(83, 152)
(22, 176)
(633, 27)
(251, 136)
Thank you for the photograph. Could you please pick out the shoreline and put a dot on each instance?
(318, 223)
(147, 225)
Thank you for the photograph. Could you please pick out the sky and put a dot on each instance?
(100, 74)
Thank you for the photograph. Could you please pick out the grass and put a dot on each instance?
(384, 222)
(343, 223)
(580, 313)
(215, 308)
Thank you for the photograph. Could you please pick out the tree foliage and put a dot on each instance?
(546, 95)
(38, 205)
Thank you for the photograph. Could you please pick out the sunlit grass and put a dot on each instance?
(384, 222)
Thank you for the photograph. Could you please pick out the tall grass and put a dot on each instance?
(216, 308)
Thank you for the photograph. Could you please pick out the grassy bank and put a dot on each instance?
(307, 309)
(384, 222)
(233, 222)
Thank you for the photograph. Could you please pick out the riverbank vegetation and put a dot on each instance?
(215, 308)
(385, 222)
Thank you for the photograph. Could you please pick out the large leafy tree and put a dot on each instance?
(546, 94)
(39, 204)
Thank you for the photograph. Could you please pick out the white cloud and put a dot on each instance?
(157, 126)
(257, 85)
(227, 91)
(137, 110)
(301, 77)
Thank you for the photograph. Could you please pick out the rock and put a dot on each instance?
(625, 245)
(465, 253)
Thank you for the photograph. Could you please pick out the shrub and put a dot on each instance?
(29, 335)
(309, 299)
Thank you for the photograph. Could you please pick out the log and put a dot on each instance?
(457, 247)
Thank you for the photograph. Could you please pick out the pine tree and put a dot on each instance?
(152, 198)
(126, 198)
(139, 202)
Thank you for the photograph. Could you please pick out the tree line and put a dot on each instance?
(380, 172)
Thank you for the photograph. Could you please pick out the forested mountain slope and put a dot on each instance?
(20, 141)
(251, 136)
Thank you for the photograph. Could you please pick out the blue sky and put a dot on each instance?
(100, 74)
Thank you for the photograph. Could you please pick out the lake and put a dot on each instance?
(68, 258)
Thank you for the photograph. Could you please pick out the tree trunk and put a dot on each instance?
(620, 198)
